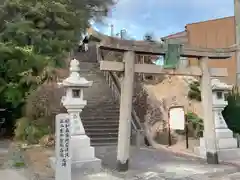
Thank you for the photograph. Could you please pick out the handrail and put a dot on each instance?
(115, 82)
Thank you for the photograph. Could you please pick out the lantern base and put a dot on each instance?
(83, 159)
(81, 168)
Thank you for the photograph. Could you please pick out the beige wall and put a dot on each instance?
(217, 33)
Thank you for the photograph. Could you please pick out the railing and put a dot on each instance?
(115, 85)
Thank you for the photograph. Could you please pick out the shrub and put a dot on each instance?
(27, 131)
(20, 127)
(194, 92)
(196, 122)
(231, 112)
(44, 104)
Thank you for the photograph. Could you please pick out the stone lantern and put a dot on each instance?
(223, 134)
(83, 155)
(226, 144)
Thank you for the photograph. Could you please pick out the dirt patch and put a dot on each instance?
(38, 161)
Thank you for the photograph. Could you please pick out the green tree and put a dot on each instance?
(231, 113)
(36, 37)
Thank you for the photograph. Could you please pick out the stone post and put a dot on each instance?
(208, 119)
(124, 132)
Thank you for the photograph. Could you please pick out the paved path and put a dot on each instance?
(12, 174)
(149, 164)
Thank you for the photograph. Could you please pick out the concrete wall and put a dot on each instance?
(218, 33)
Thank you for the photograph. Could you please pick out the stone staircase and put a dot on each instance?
(100, 115)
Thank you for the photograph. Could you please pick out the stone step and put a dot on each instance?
(101, 130)
(101, 85)
(100, 119)
(99, 98)
(101, 112)
(98, 109)
(106, 135)
(100, 115)
(103, 133)
(103, 105)
(104, 143)
(97, 123)
(100, 123)
(104, 140)
(102, 108)
(88, 126)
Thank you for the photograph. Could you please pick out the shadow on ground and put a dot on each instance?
(153, 164)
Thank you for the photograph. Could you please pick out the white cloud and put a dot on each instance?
(163, 16)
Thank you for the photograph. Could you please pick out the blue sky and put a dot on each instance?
(162, 17)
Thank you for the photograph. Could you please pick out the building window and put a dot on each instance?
(183, 62)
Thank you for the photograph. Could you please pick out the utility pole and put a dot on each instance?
(112, 30)
(237, 24)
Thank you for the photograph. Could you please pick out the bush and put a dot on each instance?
(231, 112)
(27, 131)
(194, 92)
(44, 104)
(20, 127)
(41, 108)
(196, 123)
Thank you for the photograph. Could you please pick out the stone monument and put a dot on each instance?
(63, 147)
(83, 158)
(226, 144)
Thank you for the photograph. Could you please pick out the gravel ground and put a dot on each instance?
(145, 164)
(11, 163)
(4, 146)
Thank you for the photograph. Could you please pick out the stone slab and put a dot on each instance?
(83, 153)
(226, 143)
(223, 133)
(83, 139)
(223, 154)
(82, 167)
(99, 176)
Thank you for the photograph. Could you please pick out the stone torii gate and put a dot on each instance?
(129, 68)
